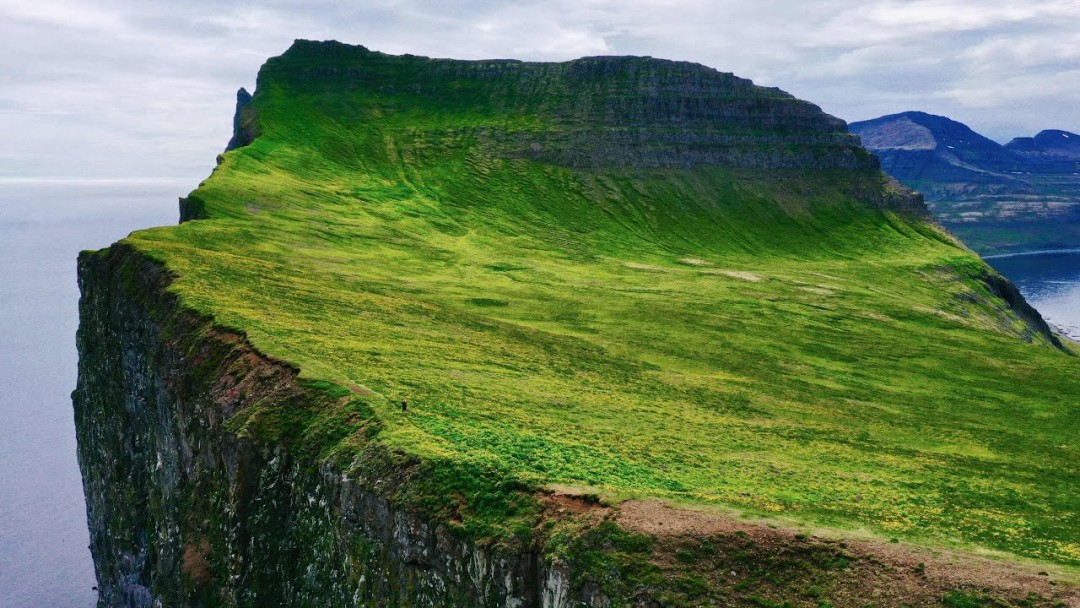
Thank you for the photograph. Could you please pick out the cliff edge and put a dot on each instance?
(448, 333)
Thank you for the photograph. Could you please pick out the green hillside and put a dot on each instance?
(629, 276)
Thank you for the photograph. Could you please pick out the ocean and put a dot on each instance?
(1050, 280)
(44, 560)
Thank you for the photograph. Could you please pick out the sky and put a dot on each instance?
(126, 90)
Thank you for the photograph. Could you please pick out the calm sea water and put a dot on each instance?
(1051, 283)
(44, 561)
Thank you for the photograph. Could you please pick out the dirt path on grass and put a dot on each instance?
(889, 573)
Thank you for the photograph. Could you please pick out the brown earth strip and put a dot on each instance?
(886, 573)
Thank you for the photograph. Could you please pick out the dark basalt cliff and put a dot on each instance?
(183, 511)
(243, 129)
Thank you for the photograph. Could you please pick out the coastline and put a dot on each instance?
(1057, 305)
(998, 256)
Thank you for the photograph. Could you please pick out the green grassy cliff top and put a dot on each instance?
(641, 277)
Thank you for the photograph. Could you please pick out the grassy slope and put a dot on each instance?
(831, 363)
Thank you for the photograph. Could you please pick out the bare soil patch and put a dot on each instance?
(882, 572)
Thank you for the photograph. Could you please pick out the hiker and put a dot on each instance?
(404, 406)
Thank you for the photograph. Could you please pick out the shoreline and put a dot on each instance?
(998, 256)
(1067, 327)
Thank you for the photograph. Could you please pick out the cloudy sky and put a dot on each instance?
(111, 89)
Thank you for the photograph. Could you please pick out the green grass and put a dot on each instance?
(763, 341)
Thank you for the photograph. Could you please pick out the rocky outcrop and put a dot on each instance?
(1006, 291)
(185, 508)
(245, 129)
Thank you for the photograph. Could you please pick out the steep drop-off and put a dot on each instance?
(1023, 196)
(591, 281)
(184, 510)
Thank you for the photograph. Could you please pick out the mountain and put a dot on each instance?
(617, 331)
(1023, 196)
(941, 158)
(1050, 151)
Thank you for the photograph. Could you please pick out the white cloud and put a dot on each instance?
(61, 14)
(1016, 89)
(113, 88)
(533, 31)
(1024, 52)
(880, 21)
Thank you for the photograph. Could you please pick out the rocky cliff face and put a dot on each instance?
(242, 133)
(184, 511)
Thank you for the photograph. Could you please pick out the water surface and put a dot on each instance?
(44, 561)
(1051, 283)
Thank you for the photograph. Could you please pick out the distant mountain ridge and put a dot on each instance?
(1051, 150)
(1024, 195)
